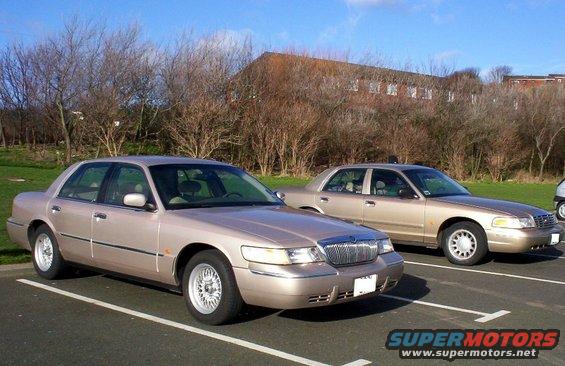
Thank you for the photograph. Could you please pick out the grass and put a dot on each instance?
(39, 178)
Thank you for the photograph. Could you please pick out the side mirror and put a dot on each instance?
(407, 193)
(280, 195)
(135, 200)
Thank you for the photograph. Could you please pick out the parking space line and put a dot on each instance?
(188, 328)
(486, 272)
(485, 317)
(360, 362)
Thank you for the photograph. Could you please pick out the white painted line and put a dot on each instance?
(360, 362)
(544, 255)
(487, 272)
(492, 316)
(188, 328)
(485, 317)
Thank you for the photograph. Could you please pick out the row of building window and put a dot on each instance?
(374, 87)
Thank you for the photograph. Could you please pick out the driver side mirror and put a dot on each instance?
(138, 200)
(407, 193)
(280, 195)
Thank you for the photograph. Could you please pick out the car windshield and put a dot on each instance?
(208, 185)
(433, 183)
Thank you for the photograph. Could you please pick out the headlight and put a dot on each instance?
(513, 222)
(281, 256)
(385, 246)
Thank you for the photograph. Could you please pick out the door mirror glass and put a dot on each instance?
(135, 200)
(280, 195)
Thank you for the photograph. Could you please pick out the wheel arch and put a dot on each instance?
(34, 225)
(451, 221)
(189, 251)
(310, 208)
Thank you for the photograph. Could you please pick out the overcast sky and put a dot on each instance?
(528, 35)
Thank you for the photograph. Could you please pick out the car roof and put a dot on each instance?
(397, 167)
(150, 160)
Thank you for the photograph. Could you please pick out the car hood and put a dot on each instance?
(277, 224)
(498, 206)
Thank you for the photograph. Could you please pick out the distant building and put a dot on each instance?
(361, 82)
(532, 81)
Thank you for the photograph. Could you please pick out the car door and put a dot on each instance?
(71, 211)
(401, 218)
(125, 239)
(342, 194)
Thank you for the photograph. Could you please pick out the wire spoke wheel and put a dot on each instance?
(561, 210)
(462, 244)
(43, 252)
(205, 288)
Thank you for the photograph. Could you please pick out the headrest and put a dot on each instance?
(380, 184)
(189, 186)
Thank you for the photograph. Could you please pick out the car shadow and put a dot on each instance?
(411, 287)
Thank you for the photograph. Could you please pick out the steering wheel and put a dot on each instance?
(234, 194)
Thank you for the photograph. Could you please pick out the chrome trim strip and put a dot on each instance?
(280, 275)
(14, 223)
(113, 245)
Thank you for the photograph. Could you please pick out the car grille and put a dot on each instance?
(349, 250)
(545, 220)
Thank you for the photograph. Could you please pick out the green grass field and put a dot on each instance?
(36, 178)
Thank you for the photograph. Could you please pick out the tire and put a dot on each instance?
(464, 243)
(47, 259)
(207, 308)
(561, 210)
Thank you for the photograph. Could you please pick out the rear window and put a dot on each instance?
(85, 183)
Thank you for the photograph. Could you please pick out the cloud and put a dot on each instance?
(228, 39)
(440, 19)
(445, 56)
(373, 3)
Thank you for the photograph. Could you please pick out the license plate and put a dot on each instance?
(554, 239)
(365, 285)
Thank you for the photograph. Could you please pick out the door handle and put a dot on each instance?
(99, 215)
(55, 209)
(370, 203)
(324, 199)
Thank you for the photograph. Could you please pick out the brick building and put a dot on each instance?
(531, 81)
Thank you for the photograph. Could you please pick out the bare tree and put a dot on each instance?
(497, 73)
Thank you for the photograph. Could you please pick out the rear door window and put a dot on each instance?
(85, 183)
(347, 181)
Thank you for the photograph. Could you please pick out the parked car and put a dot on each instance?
(202, 227)
(417, 205)
(559, 200)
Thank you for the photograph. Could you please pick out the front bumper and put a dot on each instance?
(312, 285)
(522, 240)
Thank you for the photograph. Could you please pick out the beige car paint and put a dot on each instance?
(148, 244)
(419, 221)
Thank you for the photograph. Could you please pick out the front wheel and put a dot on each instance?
(561, 210)
(464, 243)
(47, 258)
(209, 288)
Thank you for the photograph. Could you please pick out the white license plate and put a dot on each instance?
(365, 285)
(554, 239)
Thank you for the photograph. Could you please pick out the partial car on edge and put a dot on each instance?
(417, 205)
(202, 227)
(559, 200)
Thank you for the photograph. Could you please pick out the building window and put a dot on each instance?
(473, 98)
(427, 94)
(353, 85)
(392, 89)
(450, 96)
(374, 87)
(412, 91)
(516, 105)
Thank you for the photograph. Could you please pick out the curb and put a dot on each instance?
(13, 267)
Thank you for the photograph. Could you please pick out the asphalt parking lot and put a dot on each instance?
(92, 319)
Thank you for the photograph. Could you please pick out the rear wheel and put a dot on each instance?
(209, 288)
(47, 258)
(464, 243)
(561, 210)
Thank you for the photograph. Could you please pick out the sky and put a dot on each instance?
(528, 35)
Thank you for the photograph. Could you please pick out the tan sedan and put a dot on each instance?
(202, 227)
(417, 205)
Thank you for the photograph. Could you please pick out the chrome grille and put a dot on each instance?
(347, 250)
(545, 220)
